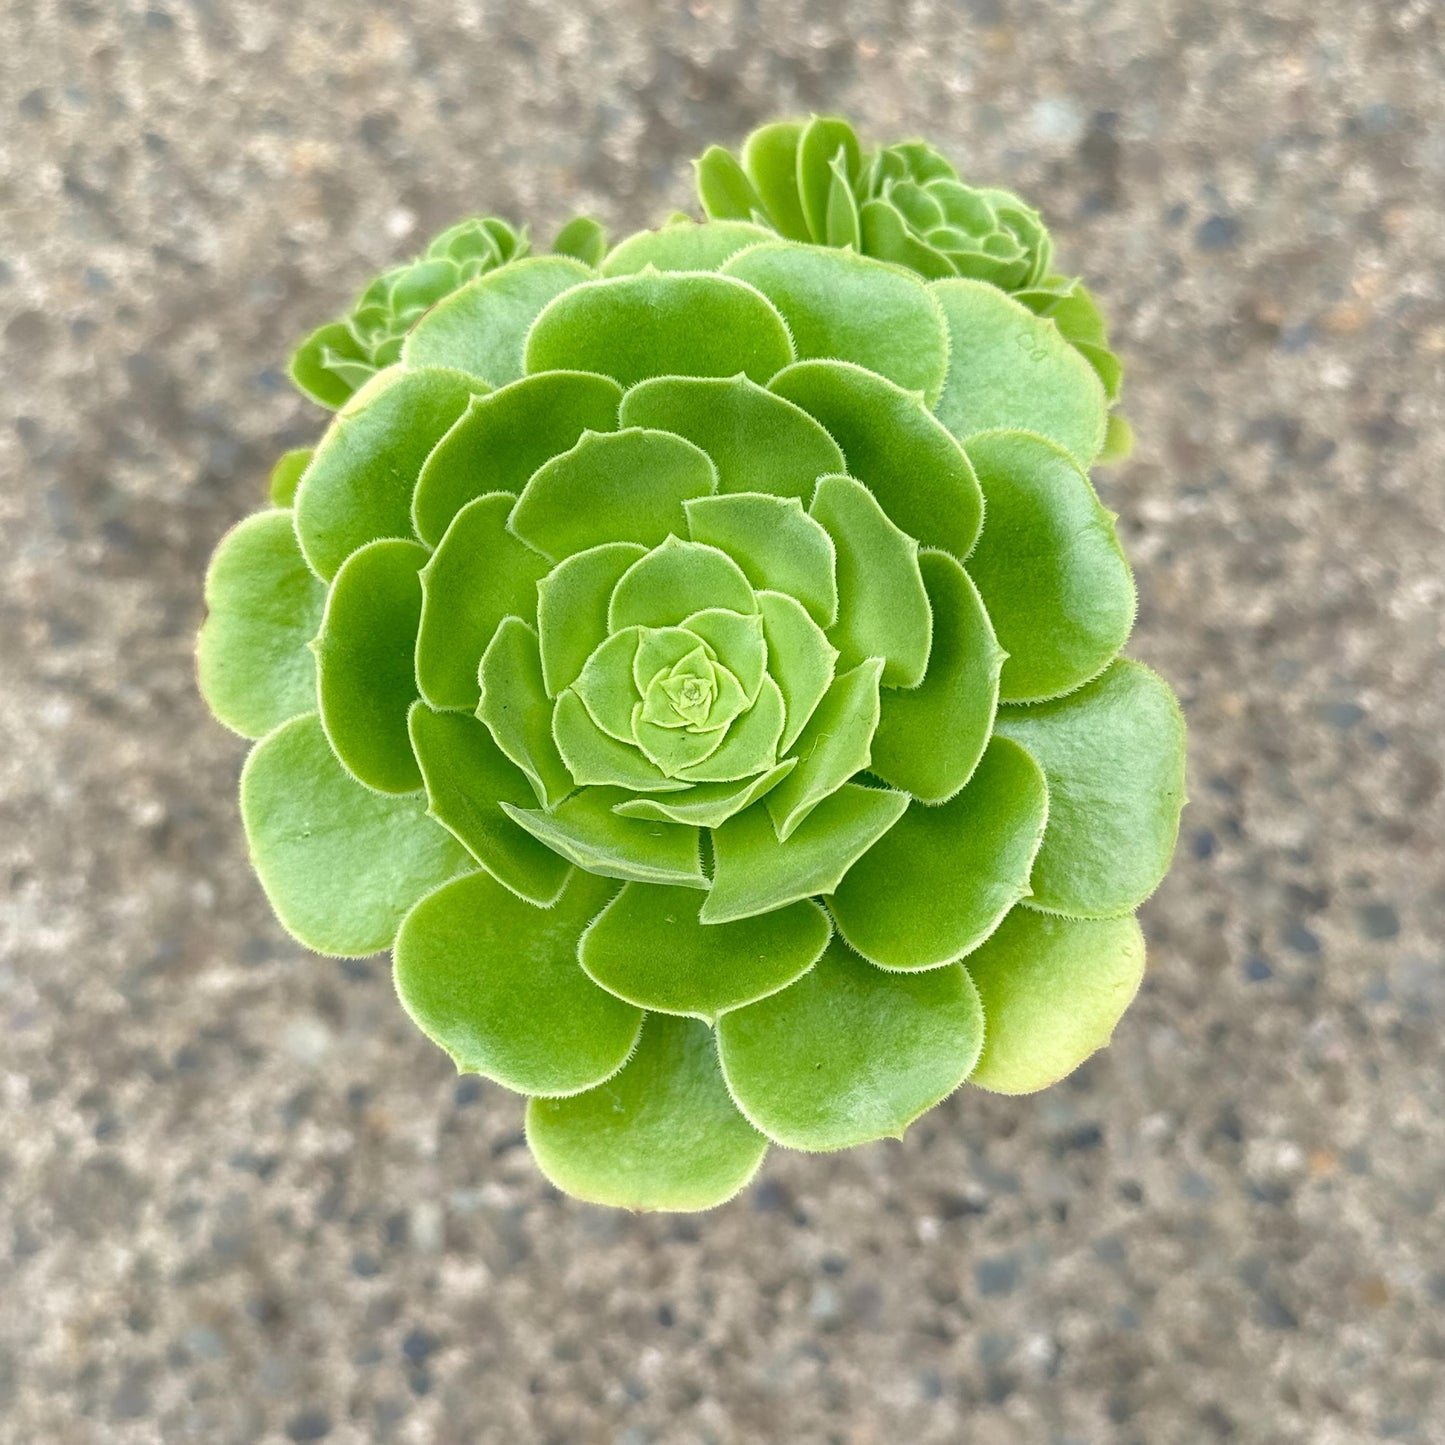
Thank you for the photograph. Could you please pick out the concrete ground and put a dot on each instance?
(242, 1200)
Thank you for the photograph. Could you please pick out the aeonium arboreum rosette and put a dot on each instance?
(701, 670)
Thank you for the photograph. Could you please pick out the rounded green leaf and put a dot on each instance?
(626, 486)
(582, 238)
(677, 578)
(504, 436)
(482, 328)
(753, 872)
(1052, 990)
(495, 982)
(264, 604)
(758, 442)
(515, 707)
(467, 778)
(882, 605)
(1113, 754)
(847, 307)
(661, 323)
(585, 830)
(1011, 369)
(648, 947)
(825, 139)
(682, 246)
(832, 747)
(478, 575)
(850, 1053)
(801, 660)
(930, 737)
(312, 363)
(286, 475)
(606, 683)
(572, 608)
(366, 677)
(770, 157)
(359, 484)
(706, 805)
(725, 191)
(662, 1134)
(1048, 566)
(896, 447)
(941, 879)
(775, 542)
(340, 864)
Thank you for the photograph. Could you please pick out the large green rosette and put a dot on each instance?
(698, 662)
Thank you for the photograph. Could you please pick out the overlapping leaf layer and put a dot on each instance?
(813, 181)
(699, 662)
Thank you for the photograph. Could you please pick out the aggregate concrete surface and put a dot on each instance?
(242, 1199)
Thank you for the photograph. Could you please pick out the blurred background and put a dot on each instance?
(242, 1199)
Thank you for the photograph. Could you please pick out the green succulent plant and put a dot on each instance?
(905, 203)
(701, 670)
(337, 359)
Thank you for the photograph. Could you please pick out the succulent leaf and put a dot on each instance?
(340, 864)
(631, 328)
(644, 615)
(358, 487)
(1010, 370)
(1113, 754)
(662, 1134)
(930, 737)
(366, 678)
(942, 879)
(482, 329)
(649, 947)
(494, 981)
(682, 247)
(252, 661)
(850, 1053)
(1049, 569)
(504, 436)
(480, 574)
(467, 779)
(1052, 990)
(757, 441)
(842, 306)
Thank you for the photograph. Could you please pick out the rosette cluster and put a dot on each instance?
(905, 203)
(701, 669)
(339, 358)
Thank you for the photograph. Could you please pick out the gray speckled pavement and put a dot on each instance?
(242, 1200)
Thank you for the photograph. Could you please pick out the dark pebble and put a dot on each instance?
(420, 1345)
(308, 1425)
(1343, 714)
(365, 1265)
(1218, 233)
(1082, 1137)
(1379, 920)
(997, 1276)
(1256, 970)
(1301, 939)
(1204, 845)
(1273, 1313)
